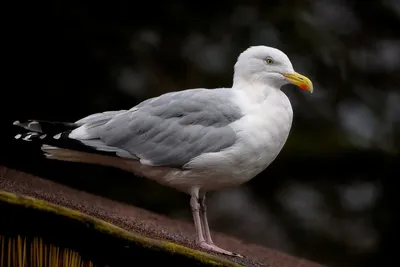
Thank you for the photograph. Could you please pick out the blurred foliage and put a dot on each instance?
(81, 58)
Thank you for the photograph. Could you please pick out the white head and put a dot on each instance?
(270, 66)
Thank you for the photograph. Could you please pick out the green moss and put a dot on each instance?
(109, 233)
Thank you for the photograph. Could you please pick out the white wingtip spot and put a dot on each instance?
(18, 136)
(43, 136)
(26, 138)
(16, 123)
(57, 136)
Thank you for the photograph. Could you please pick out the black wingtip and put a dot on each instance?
(49, 127)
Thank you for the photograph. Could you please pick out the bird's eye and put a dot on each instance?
(269, 61)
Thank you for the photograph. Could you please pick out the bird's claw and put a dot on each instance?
(214, 248)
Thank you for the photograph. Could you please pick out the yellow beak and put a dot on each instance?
(300, 80)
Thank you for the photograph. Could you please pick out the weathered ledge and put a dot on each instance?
(115, 232)
(31, 217)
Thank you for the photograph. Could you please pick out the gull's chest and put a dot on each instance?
(262, 133)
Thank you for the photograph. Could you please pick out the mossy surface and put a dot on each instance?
(94, 238)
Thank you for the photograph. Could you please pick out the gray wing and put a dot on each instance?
(174, 128)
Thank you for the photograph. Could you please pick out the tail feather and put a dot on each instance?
(63, 154)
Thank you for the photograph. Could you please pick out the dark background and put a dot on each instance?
(330, 196)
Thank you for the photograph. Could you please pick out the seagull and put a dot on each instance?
(194, 140)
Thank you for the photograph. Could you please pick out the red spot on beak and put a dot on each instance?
(303, 86)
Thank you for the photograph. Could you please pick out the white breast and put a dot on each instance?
(262, 133)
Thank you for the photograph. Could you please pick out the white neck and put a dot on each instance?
(256, 89)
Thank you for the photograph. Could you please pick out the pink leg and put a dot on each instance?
(208, 244)
(204, 220)
(194, 204)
